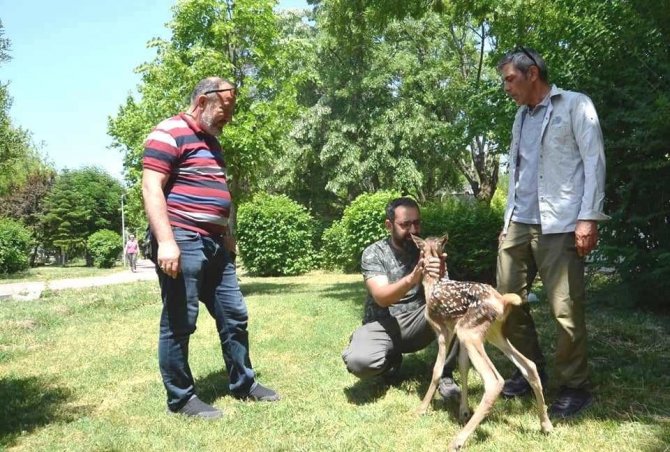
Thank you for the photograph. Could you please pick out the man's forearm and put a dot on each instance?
(392, 293)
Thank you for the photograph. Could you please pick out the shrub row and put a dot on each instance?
(16, 242)
(473, 230)
(276, 235)
(361, 224)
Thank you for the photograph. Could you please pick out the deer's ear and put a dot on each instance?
(444, 239)
(418, 241)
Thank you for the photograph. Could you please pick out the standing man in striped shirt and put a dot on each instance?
(187, 202)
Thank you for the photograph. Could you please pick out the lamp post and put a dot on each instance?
(123, 230)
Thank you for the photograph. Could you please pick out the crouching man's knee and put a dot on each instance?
(362, 365)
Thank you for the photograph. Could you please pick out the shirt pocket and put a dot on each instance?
(559, 135)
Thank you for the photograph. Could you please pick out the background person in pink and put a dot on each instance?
(131, 252)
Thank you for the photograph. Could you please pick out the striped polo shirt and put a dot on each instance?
(197, 191)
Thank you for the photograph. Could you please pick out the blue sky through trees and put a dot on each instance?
(72, 67)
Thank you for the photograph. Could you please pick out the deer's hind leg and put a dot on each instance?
(493, 384)
(528, 370)
(473, 341)
(444, 336)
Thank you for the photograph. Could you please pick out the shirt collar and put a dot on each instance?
(544, 102)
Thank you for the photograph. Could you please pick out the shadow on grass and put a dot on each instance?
(273, 288)
(369, 390)
(30, 403)
(215, 385)
(350, 291)
(366, 391)
(212, 386)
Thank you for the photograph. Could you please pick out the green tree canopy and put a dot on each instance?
(81, 202)
(25, 175)
(403, 102)
(383, 94)
(243, 41)
(19, 158)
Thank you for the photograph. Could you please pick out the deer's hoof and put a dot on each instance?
(456, 445)
(547, 427)
(464, 415)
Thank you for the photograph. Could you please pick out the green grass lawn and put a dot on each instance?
(78, 371)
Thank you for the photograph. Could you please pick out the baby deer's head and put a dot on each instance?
(433, 247)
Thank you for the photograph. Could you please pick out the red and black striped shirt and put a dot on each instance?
(197, 191)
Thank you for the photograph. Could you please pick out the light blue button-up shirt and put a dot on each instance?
(526, 204)
(571, 166)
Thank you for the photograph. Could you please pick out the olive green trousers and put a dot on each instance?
(524, 253)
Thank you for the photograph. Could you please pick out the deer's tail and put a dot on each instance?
(512, 299)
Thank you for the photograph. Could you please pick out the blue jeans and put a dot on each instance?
(208, 275)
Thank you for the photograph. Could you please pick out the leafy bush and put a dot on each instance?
(473, 230)
(275, 236)
(333, 245)
(15, 243)
(104, 247)
(362, 224)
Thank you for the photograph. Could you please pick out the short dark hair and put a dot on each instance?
(208, 84)
(395, 203)
(522, 58)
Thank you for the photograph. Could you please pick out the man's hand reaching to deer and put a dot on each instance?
(414, 278)
(431, 265)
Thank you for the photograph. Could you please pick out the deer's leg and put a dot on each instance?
(493, 385)
(443, 339)
(528, 370)
(464, 368)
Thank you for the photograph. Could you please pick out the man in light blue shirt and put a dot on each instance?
(555, 198)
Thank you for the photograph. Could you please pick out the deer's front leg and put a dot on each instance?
(437, 372)
(464, 412)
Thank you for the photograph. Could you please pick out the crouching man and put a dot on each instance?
(394, 321)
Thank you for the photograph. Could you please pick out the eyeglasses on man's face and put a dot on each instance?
(220, 90)
(225, 102)
(409, 223)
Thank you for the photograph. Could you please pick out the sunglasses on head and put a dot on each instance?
(525, 51)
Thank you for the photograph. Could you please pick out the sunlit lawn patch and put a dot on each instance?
(78, 371)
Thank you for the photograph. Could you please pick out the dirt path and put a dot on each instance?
(32, 290)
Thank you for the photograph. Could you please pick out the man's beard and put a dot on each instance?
(404, 243)
(208, 124)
